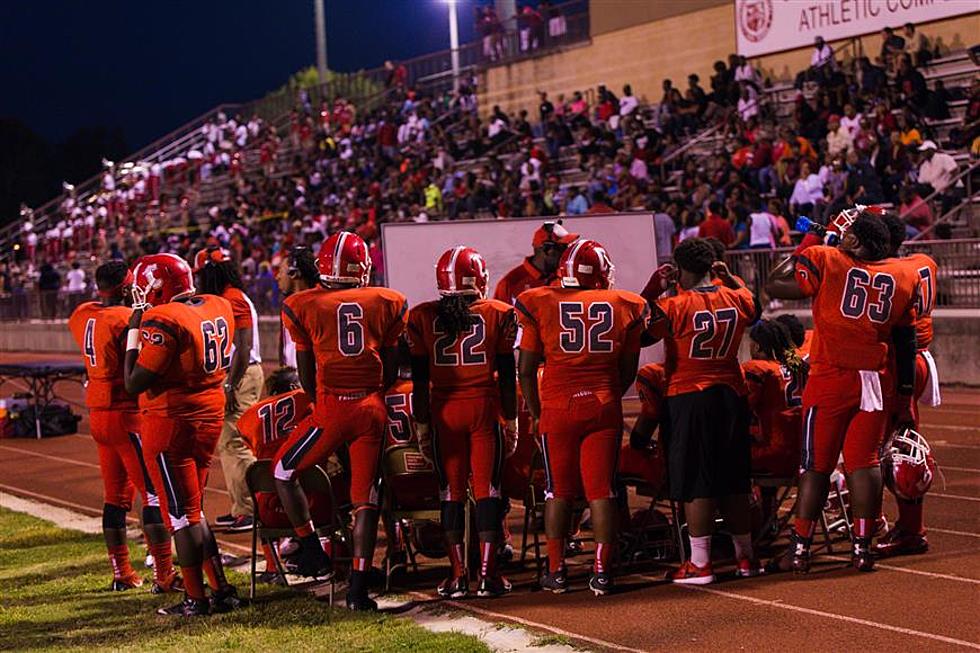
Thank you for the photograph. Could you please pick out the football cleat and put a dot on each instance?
(801, 555)
(241, 524)
(556, 583)
(454, 588)
(690, 574)
(270, 578)
(862, 557)
(361, 604)
(224, 521)
(601, 583)
(505, 553)
(314, 563)
(747, 568)
(897, 543)
(226, 599)
(126, 583)
(491, 587)
(462, 271)
(173, 584)
(573, 547)
(187, 608)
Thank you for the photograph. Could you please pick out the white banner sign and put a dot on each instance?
(766, 26)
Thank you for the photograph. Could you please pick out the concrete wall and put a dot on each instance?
(955, 348)
(670, 45)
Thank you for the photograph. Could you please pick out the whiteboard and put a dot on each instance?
(412, 249)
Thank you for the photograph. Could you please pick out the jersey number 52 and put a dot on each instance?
(581, 329)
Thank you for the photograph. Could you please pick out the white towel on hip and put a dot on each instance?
(871, 400)
(930, 396)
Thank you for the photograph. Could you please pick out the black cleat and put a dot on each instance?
(796, 558)
(491, 587)
(361, 604)
(128, 583)
(314, 563)
(226, 599)
(187, 608)
(601, 583)
(454, 588)
(862, 557)
(556, 583)
(174, 584)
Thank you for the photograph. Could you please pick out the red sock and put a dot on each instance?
(556, 554)
(270, 564)
(163, 561)
(360, 564)
(864, 527)
(216, 572)
(304, 530)
(910, 517)
(456, 559)
(119, 559)
(603, 553)
(804, 527)
(194, 582)
(488, 559)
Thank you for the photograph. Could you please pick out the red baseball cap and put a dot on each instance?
(552, 232)
(210, 255)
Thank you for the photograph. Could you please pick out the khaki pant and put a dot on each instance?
(234, 453)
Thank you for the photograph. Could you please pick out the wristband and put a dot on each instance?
(133, 340)
(511, 425)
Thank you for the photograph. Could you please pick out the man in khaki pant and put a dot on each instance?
(218, 275)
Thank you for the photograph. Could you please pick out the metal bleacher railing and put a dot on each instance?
(958, 283)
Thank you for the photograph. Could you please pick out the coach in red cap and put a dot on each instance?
(550, 240)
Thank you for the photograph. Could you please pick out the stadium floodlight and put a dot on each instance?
(454, 42)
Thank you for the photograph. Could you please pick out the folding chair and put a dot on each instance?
(314, 481)
(654, 541)
(411, 493)
(784, 488)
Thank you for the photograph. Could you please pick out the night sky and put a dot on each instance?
(147, 67)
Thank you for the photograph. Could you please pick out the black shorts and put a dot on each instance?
(708, 446)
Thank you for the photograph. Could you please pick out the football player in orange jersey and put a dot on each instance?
(99, 329)
(641, 458)
(218, 275)
(459, 344)
(346, 339)
(863, 308)
(178, 349)
(909, 535)
(708, 442)
(297, 272)
(800, 336)
(590, 336)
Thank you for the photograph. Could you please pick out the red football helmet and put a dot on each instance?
(842, 221)
(585, 264)
(462, 271)
(908, 465)
(161, 278)
(210, 255)
(344, 259)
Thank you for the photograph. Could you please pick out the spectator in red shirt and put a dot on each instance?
(600, 204)
(914, 211)
(715, 226)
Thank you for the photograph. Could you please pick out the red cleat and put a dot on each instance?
(690, 574)
(897, 543)
(748, 568)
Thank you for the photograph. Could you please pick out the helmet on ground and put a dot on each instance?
(908, 466)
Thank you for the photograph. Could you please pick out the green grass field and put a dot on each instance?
(53, 597)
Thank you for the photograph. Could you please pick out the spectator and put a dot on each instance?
(938, 170)
(715, 226)
(851, 120)
(911, 83)
(782, 226)
(49, 283)
(545, 109)
(923, 51)
(76, 285)
(748, 105)
(892, 45)
(691, 221)
(627, 103)
(763, 230)
(914, 211)
(600, 204)
(579, 204)
(663, 229)
(808, 192)
(839, 141)
(822, 64)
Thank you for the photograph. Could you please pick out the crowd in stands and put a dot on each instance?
(857, 134)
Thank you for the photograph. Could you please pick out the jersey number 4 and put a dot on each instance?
(88, 343)
(713, 333)
(472, 349)
(580, 331)
(217, 345)
(277, 419)
(855, 301)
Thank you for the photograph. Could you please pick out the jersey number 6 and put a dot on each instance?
(350, 331)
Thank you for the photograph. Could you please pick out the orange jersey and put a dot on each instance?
(804, 349)
(188, 345)
(702, 328)
(245, 318)
(855, 305)
(463, 366)
(928, 272)
(524, 277)
(400, 428)
(651, 382)
(582, 334)
(100, 332)
(346, 329)
(267, 424)
(775, 397)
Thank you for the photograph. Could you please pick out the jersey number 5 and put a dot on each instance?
(277, 419)
(576, 334)
(713, 333)
(217, 345)
(854, 303)
(88, 343)
(399, 423)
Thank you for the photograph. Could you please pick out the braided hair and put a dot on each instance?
(797, 332)
(214, 278)
(776, 341)
(453, 315)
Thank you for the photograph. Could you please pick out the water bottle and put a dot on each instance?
(806, 225)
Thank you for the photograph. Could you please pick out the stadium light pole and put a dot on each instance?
(321, 40)
(454, 42)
